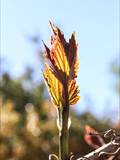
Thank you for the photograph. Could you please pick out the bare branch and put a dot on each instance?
(110, 149)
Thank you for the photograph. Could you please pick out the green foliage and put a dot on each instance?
(14, 90)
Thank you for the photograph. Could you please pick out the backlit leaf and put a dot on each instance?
(54, 86)
(62, 70)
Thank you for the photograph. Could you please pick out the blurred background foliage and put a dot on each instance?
(28, 119)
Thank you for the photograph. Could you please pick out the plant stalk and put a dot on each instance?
(64, 135)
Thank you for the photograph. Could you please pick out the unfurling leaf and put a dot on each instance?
(93, 138)
(54, 86)
(62, 70)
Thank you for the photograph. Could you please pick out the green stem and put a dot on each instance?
(64, 135)
(63, 122)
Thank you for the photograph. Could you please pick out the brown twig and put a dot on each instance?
(111, 149)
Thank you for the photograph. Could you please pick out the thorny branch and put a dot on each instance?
(109, 151)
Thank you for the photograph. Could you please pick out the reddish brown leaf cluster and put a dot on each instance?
(93, 138)
(62, 69)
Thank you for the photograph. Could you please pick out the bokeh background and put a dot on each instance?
(28, 119)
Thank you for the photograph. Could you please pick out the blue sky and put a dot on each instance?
(96, 23)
